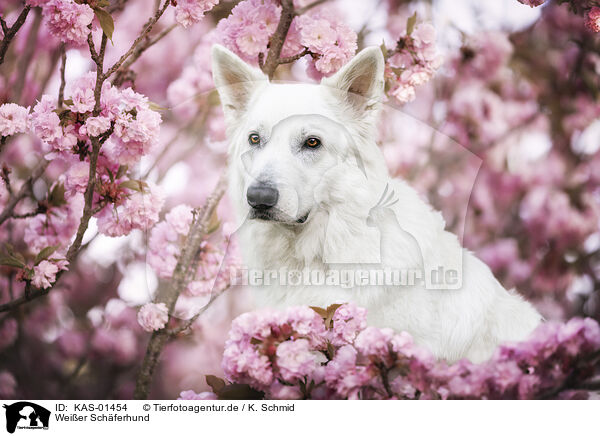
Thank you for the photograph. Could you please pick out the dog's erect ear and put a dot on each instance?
(361, 79)
(235, 79)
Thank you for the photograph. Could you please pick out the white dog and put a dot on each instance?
(312, 185)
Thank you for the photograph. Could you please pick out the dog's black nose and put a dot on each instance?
(262, 196)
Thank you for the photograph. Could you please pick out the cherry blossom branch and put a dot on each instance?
(274, 59)
(278, 38)
(10, 32)
(138, 40)
(182, 275)
(98, 58)
(96, 144)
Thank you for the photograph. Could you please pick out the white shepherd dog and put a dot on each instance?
(310, 185)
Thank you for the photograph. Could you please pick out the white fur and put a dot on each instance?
(340, 192)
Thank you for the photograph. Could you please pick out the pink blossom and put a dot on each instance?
(317, 35)
(44, 274)
(82, 93)
(295, 360)
(68, 20)
(191, 395)
(139, 210)
(412, 63)
(189, 12)
(13, 119)
(76, 178)
(348, 321)
(592, 19)
(153, 316)
(95, 126)
(374, 342)
(45, 122)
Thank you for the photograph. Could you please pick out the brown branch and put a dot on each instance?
(96, 144)
(73, 250)
(276, 42)
(27, 55)
(138, 40)
(8, 210)
(182, 275)
(63, 64)
(9, 33)
(291, 59)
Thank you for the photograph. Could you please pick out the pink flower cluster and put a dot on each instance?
(67, 20)
(13, 119)
(138, 210)
(412, 62)
(136, 126)
(153, 316)
(296, 353)
(321, 32)
(44, 274)
(189, 12)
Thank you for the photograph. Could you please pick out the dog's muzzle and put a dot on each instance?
(262, 196)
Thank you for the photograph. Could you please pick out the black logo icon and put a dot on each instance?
(26, 415)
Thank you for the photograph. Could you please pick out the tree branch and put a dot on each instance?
(182, 275)
(8, 210)
(276, 42)
(63, 65)
(9, 33)
(138, 40)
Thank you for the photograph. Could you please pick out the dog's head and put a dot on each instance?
(285, 137)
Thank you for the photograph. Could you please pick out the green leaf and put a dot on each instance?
(8, 260)
(57, 195)
(45, 253)
(410, 23)
(135, 185)
(121, 172)
(106, 22)
(216, 384)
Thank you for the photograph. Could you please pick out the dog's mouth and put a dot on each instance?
(277, 216)
(303, 218)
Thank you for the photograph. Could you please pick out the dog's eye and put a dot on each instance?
(312, 142)
(254, 139)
